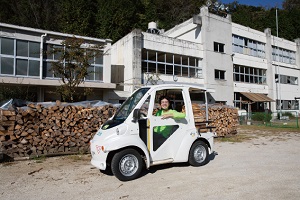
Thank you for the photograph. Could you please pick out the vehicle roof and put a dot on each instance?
(180, 85)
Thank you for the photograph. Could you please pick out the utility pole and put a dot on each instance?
(279, 77)
(276, 22)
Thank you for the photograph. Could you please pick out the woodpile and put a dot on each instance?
(57, 129)
(62, 129)
(224, 118)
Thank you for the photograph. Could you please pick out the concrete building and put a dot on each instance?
(247, 68)
(23, 63)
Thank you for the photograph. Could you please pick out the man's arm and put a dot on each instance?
(173, 114)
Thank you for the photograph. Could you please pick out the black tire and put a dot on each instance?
(127, 165)
(198, 154)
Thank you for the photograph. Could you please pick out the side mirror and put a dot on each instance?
(136, 115)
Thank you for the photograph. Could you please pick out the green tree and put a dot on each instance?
(78, 17)
(260, 18)
(117, 18)
(73, 65)
(291, 5)
(172, 12)
(289, 22)
(42, 14)
(148, 14)
(250, 16)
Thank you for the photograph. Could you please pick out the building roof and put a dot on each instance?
(52, 32)
(181, 85)
(256, 97)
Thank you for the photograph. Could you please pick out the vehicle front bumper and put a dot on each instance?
(98, 155)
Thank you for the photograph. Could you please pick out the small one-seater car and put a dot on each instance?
(125, 144)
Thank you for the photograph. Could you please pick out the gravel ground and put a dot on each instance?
(264, 167)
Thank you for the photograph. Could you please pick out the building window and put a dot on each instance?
(287, 104)
(283, 55)
(219, 74)
(22, 48)
(21, 67)
(7, 66)
(283, 79)
(170, 64)
(219, 47)
(248, 47)
(95, 70)
(19, 57)
(7, 46)
(249, 74)
(238, 101)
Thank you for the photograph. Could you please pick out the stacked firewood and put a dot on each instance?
(7, 124)
(57, 129)
(222, 119)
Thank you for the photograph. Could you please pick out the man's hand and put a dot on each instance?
(166, 116)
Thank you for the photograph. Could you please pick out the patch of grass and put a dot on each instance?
(79, 157)
(235, 138)
(39, 159)
(268, 128)
(248, 132)
(283, 124)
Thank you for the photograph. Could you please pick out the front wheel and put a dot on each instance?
(198, 154)
(127, 165)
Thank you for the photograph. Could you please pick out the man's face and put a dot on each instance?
(164, 104)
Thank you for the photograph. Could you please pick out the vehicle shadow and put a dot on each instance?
(156, 168)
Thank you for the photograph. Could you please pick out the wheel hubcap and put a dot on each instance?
(199, 154)
(128, 165)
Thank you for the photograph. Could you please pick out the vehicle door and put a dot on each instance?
(162, 148)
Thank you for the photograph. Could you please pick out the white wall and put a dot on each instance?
(122, 54)
(217, 29)
(171, 45)
(287, 91)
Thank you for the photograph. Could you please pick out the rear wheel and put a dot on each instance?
(198, 154)
(127, 165)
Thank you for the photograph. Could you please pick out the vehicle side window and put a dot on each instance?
(145, 107)
(176, 100)
(155, 108)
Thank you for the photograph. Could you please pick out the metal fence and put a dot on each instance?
(273, 119)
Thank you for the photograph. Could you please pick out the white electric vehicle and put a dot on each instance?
(125, 144)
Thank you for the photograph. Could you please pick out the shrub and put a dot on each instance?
(261, 116)
(289, 114)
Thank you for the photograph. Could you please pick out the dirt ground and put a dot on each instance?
(264, 164)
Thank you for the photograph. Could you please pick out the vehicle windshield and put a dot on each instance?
(130, 104)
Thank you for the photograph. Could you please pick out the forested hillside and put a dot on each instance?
(115, 18)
